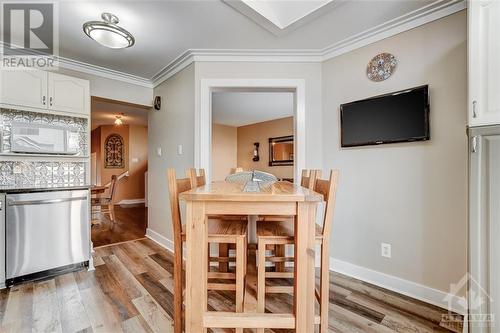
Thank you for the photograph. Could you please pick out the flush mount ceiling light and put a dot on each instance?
(108, 33)
(118, 120)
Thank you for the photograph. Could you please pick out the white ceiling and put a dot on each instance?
(105, 112)
(244, 108)
(166, 29)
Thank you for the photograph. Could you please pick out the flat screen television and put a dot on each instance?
(396, 117)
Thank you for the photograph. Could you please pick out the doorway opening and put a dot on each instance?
(204, 116)
(253, 131)
(119, 165)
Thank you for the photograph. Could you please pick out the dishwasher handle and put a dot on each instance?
(11, 202)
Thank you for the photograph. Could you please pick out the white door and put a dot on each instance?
(484, 64)
(68, 94)
(24, 88)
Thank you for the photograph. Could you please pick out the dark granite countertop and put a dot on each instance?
(9, 189)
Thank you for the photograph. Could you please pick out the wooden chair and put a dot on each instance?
(282, 233)
(307, 180)
(219, 231)
(107, 201)
(199, 179)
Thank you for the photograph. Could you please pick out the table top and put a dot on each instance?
(263, 191)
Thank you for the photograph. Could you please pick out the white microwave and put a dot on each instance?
(43, 139)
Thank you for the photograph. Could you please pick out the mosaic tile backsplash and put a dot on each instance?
(7, 116)
(29, 173)
(14, 174)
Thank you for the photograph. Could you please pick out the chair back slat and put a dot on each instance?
(308, 178)
(197, 179)
(176, 187)
(112, 187)
(329, 190)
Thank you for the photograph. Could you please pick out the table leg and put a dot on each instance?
(304, 267)
(196, 266)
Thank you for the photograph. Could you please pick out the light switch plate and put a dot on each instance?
(158, 151)
(179, 150)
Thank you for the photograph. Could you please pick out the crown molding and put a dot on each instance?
(416, 18)
(87, 68)
(103, 72)
(234, 55)
(421, 16)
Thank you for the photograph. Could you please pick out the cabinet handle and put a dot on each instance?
(473, 145)
(50, 100)
(43, 100)
(474, 106)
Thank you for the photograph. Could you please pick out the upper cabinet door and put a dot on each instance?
(68, 94)
(484, 63)
(24, 88)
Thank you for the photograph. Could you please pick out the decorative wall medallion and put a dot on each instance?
(115, 153)
(381, 67)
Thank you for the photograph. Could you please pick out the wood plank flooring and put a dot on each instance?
(131, 291)
(130, 224)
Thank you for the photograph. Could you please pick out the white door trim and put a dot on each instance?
(203, 117)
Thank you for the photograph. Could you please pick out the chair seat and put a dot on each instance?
(221, 228)
(282, 230)
(100, 201)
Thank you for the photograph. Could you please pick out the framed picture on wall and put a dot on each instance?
(114, 150)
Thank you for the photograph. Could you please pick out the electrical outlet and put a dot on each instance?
(385, 250)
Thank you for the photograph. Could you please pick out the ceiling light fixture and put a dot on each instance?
(118, 120)
(108, 33)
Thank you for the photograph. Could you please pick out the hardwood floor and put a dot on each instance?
(130, 224)
(131, 291)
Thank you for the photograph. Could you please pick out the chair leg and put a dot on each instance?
(280, 252)
(240, 276)
(240, 273)
(111, 208)
(261, 279)
(223, 252)
(324, 289)
(178, 288)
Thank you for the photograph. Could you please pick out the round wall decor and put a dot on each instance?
(381, 67)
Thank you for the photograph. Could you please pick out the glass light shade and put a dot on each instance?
(108, 34)
(118, 121)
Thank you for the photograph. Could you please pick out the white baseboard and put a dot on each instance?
(160, 240)
(399, 285)
(390, 282)
(131, 201)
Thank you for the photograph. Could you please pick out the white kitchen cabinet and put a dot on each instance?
(484, 64)
(68, 94)
(24, 87)
(44, 90)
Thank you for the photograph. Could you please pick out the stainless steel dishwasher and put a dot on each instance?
(46, 233)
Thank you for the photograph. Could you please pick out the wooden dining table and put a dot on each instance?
(278, 198)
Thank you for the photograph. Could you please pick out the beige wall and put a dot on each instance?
(224, 150)
(261, 132)
(412, 195)
(135, 142)
(169, 127)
